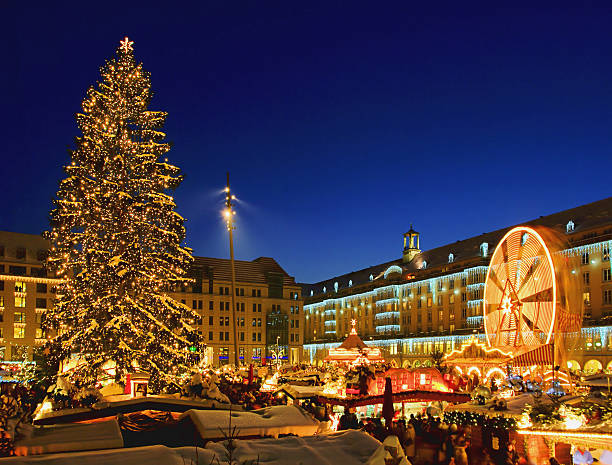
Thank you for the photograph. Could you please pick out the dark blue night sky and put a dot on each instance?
(341, 123)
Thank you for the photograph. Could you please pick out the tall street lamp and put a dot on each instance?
(229, 221)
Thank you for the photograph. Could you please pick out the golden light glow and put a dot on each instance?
(495, 370)
(525, 421)
(126, 45)
(473, 340)
(565, 434)
(503, 254)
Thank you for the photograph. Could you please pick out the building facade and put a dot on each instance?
(269, 310)
(269, 306)
(25, 294)
(432, 300)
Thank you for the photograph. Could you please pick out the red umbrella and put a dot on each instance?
(387, 410)
(250, 374)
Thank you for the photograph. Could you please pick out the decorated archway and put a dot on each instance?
(593, 366)
(573, 365)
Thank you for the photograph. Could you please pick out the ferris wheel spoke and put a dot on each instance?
(540, 313)
(544, 295)
(504, 250)
(527, 322)
(531, 273)
(495, 280)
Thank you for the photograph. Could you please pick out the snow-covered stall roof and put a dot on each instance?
(125, 404)
(301, 392)
(347, 447)
(269, 421)
(67, 438)
(515, 406)
(158, 455)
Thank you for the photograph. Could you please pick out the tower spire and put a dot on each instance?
(411, 245)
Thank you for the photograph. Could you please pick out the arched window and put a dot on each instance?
(451, 258)
(350, 282)
(371, 277)
(424, 265)
(484, 249)
(336, 286)
(569, 227)
(324, 289)
(311, 293)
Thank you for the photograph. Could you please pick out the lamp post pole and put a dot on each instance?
(229, 217)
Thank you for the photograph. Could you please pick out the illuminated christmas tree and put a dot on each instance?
(116, 239)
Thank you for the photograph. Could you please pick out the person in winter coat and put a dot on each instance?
(510, 455)
(460, 453)
(410, 442)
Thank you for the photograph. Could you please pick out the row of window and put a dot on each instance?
(225, 336)
(240, 306)
(606, 276)
(224, 352)
(20, 317)
(22, 287)
(20, 253)
(605, 256)
(255, 337)
(19, 332)
(254, 292)
(606, 297)
(255, 322)
(20, 302)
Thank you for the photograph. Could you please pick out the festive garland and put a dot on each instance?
(555, 414)
(471, 418)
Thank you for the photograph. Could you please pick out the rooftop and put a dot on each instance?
(583, 219)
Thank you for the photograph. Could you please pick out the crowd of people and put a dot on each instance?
(427, 440)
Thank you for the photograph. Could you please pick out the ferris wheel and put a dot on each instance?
(520, 293)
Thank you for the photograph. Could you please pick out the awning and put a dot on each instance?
(542, 355)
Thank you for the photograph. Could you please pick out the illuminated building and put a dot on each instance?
(262, 288)
(268, 306)
(431, 300)
(25, 293)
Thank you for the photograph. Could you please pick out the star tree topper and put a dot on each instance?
(126, 45)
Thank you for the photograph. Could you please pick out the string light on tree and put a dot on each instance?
(116, 238)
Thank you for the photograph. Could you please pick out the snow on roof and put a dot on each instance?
(348, 448)
(158, 455)
(66, 438)
(269, 421)
(112, 405)
(515, 406)
(301, 392)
